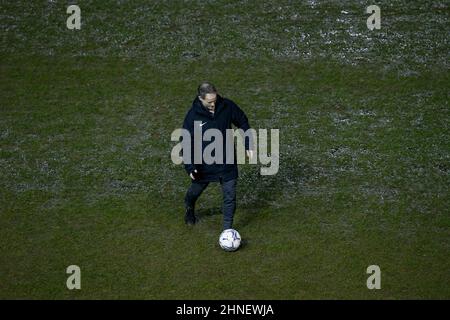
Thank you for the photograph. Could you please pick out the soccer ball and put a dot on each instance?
(230, 240)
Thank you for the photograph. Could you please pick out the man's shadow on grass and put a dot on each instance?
(257, 193)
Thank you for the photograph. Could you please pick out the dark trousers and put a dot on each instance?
(229, 199)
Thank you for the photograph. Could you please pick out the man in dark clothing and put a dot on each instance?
(211, 111)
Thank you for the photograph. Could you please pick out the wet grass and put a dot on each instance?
(86, 176)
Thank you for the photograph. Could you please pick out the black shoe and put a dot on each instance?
(189, 216)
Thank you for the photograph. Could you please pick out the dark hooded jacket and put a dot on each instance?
(226, 113)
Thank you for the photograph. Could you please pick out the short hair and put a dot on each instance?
(205, 88)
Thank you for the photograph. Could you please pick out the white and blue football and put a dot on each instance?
(230, 240)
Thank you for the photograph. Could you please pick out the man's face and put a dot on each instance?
(209, 101)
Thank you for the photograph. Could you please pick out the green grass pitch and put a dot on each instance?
(86, 177)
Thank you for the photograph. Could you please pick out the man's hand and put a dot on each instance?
(192, 174)
(250, 154)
